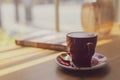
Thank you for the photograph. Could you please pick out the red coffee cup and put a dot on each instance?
(81, 47)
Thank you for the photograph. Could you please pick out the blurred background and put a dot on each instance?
(18, 17)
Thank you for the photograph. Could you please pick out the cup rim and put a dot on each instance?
(95, 34)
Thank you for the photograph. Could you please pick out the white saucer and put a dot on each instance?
(101, 62)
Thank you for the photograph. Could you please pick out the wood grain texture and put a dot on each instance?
(45, 68)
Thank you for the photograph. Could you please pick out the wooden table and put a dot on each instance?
(26, 63)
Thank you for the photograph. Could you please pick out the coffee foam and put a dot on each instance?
(81, 34)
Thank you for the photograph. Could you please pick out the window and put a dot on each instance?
(43, 14)
(64, 15)
(70, 15)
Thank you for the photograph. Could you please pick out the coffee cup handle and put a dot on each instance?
(90, 46)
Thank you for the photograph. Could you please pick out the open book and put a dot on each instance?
(44, 39)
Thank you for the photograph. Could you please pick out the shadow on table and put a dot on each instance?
(98, 73)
